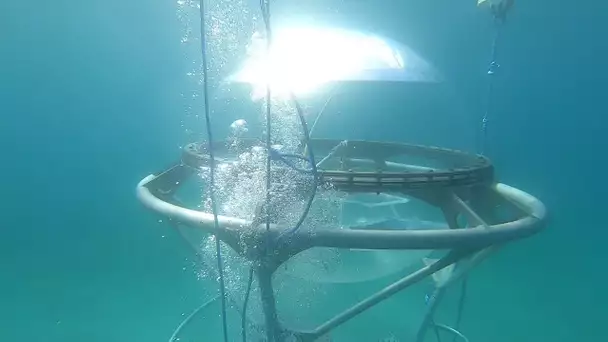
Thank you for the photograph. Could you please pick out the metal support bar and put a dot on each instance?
(472, 218)
(385, 293)
(475, 238)
(264, 274)
(155, 192)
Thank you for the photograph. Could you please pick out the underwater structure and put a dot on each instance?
(323, 211)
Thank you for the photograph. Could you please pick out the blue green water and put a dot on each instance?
(90, 103)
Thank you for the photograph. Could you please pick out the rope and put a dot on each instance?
(463, 294)
(427, 299)
(283, 158)
(499, 13)
(265, 7)
(218, 248)
(331, 96)
(187, 320)
(453, 331)
(273, 154)
(244, 313)
(313, 166)
(492, 69)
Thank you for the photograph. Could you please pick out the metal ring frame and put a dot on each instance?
(463, 186)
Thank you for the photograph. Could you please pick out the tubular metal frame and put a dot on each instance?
(469, 190)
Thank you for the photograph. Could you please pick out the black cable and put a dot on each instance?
(314, 170)
(432, 299)
(436, 330)
(463, 293)
(265, 7)
(220, 264)
(244, 312)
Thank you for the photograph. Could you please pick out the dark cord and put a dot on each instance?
(313, 166)
(265, 7)
(436, 330)
(218, 250)
(463, 294)
(244, 313)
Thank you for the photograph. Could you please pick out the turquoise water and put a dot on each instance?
(90, 100)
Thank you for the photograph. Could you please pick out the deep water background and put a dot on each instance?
(90, 104)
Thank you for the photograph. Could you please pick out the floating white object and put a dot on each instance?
(239, 127)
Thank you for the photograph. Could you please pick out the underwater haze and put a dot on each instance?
(96, 95)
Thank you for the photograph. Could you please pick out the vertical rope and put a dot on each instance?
(265, 7)
(245, 302)
(463, 295)
(218, 247)
(492, 69)
(270, 331)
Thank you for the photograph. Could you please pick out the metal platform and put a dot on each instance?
(459, 184)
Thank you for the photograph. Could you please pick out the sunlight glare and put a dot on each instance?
(303, 59)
